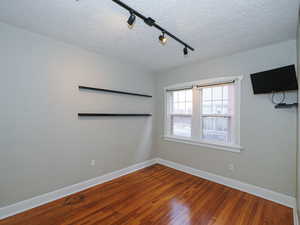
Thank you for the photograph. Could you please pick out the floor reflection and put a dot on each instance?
(180, 213)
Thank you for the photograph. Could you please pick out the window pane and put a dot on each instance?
(216, 129)
(225, 92)
(175, 107)
(217, 107)
(225, 107)
(207, 107)
(189, 107)
(181, 108)
(181, 96)
(175, 96)
(217, 93)
(215, 100)
(207, 94)
(189, 95)
(181, 125)
(182, 102)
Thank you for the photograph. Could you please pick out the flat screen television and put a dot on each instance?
(276, 80)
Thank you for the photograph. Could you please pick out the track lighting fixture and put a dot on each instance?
(152, 23)
(131, 20)
(185, 51)
(162, 38)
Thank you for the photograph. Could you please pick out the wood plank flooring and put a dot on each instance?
(157, 195)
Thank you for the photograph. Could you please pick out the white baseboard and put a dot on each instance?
(249, 188)
(63, 192)
(296, 218)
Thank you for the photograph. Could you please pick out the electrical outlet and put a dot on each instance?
(231, 167)
(93, 162)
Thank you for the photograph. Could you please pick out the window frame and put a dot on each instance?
(169, 112)
(196, 110)
(229, 115)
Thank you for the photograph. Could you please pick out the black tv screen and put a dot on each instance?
(276, 80)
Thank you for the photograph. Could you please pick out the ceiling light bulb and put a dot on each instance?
(185, 51)
(131, 20)
(162, 38)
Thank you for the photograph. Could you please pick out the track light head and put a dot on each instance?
(131, 20)
(185, 51)
(162, 38)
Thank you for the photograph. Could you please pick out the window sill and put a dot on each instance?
(225, 147)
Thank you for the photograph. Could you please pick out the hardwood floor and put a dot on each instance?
(157, 195)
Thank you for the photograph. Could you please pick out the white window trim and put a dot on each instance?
(236, 147)
(218, 146)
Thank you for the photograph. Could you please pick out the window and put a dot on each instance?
(181, 113)
(204, 112)
(217, 112)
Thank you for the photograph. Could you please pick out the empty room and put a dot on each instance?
(162, 112)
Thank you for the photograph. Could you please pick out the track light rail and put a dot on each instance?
(151, 22)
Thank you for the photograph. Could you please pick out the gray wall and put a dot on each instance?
(267, 135)
(44, 145)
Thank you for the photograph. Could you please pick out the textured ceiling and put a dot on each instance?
(214, 27)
